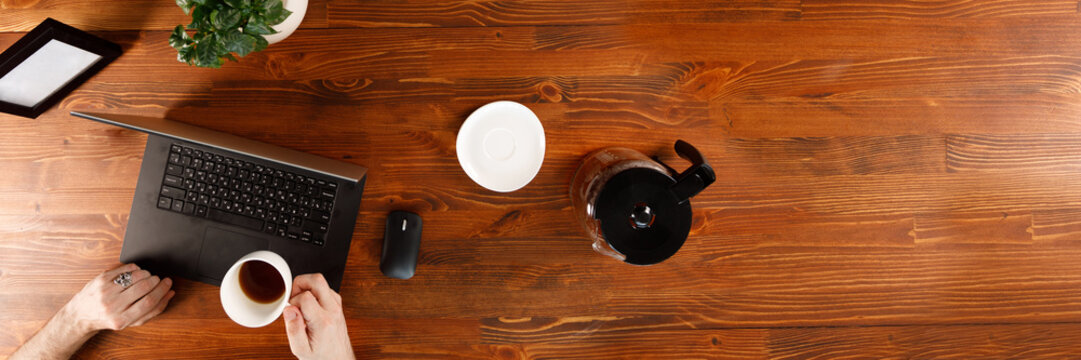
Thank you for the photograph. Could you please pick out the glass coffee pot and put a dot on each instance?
(635, 208)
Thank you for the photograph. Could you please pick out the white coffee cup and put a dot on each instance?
(245, 311)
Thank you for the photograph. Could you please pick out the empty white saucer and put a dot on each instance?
(501, 146)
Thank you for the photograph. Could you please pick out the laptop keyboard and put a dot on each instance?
(257, 197)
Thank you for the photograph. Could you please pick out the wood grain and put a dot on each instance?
(411, 13)
(895, 179)
(881, 9)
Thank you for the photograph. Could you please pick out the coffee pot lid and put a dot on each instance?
(642, 217)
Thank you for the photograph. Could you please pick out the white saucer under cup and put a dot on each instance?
(501, 146)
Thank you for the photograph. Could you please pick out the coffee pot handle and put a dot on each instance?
(696, 178)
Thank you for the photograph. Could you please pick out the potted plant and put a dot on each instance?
(225, 27)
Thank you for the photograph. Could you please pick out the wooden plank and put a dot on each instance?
(552, 12)
(902, 194)
(884, 9)
(825, 156)
(1061, 226)
(995, 228)
(1034, 341)
(1036, 152)
(1002, 115)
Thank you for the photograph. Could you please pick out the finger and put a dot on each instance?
(149, 302)
(112, 273)
(137, 290)
(297, 331)
(136, 276)
(309, 307)
(316, 284)
(157, 309)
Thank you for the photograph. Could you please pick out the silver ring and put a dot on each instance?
(124, 279)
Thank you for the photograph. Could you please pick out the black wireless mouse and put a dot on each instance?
(401, 243)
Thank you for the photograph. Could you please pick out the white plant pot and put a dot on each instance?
(287, 27)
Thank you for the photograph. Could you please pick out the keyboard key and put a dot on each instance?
(317, 239)
(165, 203)
(189, 208)
(191, 196)
(186, 151)
(185, 160)
(270, 228)
(203, 199)
(189, 173)
(188, 184)
(280, 231)
(233, 219)
(173, 169)
(200, 211)
(172, 192)
(174, 181)
(174, 158)
(178, 205)
(327, 194)
(314, 227)
(321, 217)
(306, 238)
(174, 148)
(292, 236)
(332, 186)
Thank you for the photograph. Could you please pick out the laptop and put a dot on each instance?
(206, 198)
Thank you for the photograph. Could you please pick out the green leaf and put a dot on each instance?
(274, 11)
(185, 5)
(260, 43)
(185, 54)
(268, 4)
(257, 27)
(236, 4)
(231, 57)
(198, 18)
(225, 18)
(281, 18)
(179, 37)
(240, 43)
(206, 55)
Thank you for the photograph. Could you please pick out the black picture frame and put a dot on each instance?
(49, 30)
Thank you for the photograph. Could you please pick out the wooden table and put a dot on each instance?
(896, 179)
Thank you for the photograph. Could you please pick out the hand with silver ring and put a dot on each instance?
(121, 297)
(118, 298)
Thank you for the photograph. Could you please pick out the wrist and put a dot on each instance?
(67, 318)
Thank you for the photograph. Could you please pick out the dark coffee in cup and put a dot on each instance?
(261, 282)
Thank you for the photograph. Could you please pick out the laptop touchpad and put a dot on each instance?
(221, 248)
